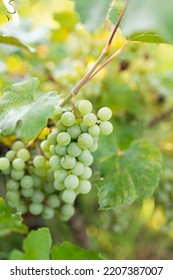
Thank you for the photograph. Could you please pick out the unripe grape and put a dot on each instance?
(13, 195)
(67, 211)
(83, 127)
(17, 145)
(27, 192)
(68, 162)
(60, 175)
(18, 164)
(78, 169)
(39, 161)
(38, 196)
(68, 119)
(52, 149)
(74, 150)
(55, 162)
(85, 154)
(23, 154)
(52, 137)
(10, 155)
(63, 138)
(89, 119)
(53, 201)
(104, 114)
(4, 163)
(85, 141)
(84, 186)
(27, 182)
(68, 196)
(45, 145)
(87, 173)
(94, 148)
(58, 185)
(36, 208)
(12, 185)
(106, 128)
(85, 107)
(74, 131)
(48, 213)
(94, 130)
(17, 174)
(57, 113)
(60, 150)
(71, 182)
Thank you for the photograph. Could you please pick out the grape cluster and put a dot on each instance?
(51, 180)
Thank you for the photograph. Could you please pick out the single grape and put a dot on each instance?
(104, 114)
(68, 119)
(27, 182)
(17, 145)
(83, 127)
(94, 130)
(85, 107)
(85, 141)
(13, 195)
(57, 113)
(27, 192)
(23, 154)
(52, 149)
(36, 208)
(61, 127)
(84, 186)
(71, 182)
(53, 201)
(12, 185)
(58, 185)
(78, 169)
(39, 161)
(10, 155)
(69, 196)
(63, 138)
(74, 150)
(87, 173)
(67, 211)
(94, 147)
(41, 172)
(60, 150)
(38, 196)
(89, 119)
(18, 164)
(60, 175)
(48, 187)
(48, 213)
(85, 154)
(37, 181)
(68, 162)
(6, 171)
(4, 163)
(45, 145)
(54, 162)
(52, 137)
(88, 161)
(17, 174)
(106, 128)
(74, 131)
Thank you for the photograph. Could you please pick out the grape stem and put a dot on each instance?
(93, 71)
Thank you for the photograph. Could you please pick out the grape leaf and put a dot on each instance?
(20, 103)
(69, 251)
(36, 246)
(11, 40)
(10, 221)
(153, 17)
(92, 13)
(132, 176)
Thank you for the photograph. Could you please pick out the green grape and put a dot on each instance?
(27, 182)
(57, 113)
(13, 195)
(27, 192)
(85, 141)
(49, 188)
(36, 208)
(67, 211)
(94, 148)
(74, 150)
(53, 201)
(89, 119)
(45, 145)
(48, 213)
(94, 130)
(95, 140)
(52, 149)
(60, 175)
(54, 162)
(17, 174)
(63, 138)
(88, 161)
(69, 196)
(40, 172)
(4, 163)
(10, 155)
(104, 114)
(58, 185)
(87, 173)
(38, 196)
(60, 150)
(85, 107)
(6, 171)
(84, 155)
(68, 162)
(39, 161)
(61, 127)
(18, 164)
(23, 154)
(37, 181)
(71, 182)
(52, 137)
(12, 185)
(17, 145)
(106, 128)
(83, 127)
(68, 119)
(74, 131)
(84, 186)
(78, 169)
(21, 207)
(50, 175)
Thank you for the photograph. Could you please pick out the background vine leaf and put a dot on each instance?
(20, 103)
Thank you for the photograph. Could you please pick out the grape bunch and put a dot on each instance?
(51, 180)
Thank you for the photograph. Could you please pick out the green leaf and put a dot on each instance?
(92, 13)
(132, 176)
(69, 251)
(10, 40)
(20, 103)
(113, 15)
(36, 246)
(153, 17)
(10, 221)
